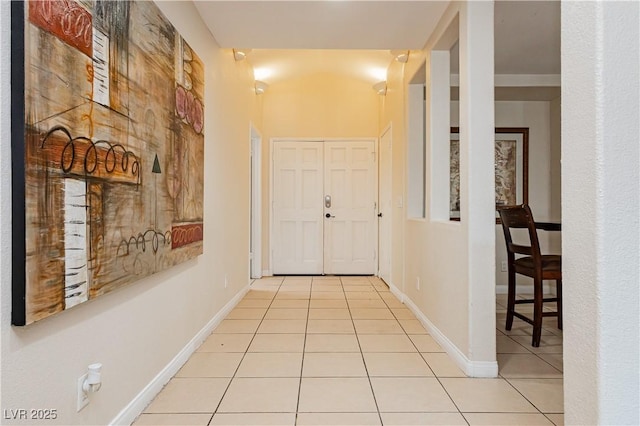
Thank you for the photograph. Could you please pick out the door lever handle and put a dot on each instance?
(328, 215)
(380, 214)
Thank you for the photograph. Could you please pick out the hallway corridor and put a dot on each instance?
(345, 351)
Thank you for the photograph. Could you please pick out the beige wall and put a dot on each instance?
(392, 110)
(317, 106)
(544, 166)
(544, 160)
(443, 255)
(136, 331)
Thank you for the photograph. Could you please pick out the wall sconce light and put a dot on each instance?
(240, 54)
(260, 87)
(380, 88)
(401, 55)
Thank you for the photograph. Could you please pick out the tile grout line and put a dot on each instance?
(425, 361)
(304, 346)
(506, 379)
(547, 417)
(225, 391)
(530, 352)
(366, 369)
(527, 399)
(378, 292)
(243, 357)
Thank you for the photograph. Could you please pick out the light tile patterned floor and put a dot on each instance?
(344, 351)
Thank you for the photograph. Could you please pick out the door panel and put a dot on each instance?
(297, 234)
(304, 241)
(350, 230)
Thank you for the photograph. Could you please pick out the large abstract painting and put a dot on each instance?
(108, 150)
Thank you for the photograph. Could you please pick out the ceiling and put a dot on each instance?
(527, 37)
(322, 24)
(294, 38)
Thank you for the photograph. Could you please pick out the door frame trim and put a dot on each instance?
(387, 129)
(273, 140)
(255, 239)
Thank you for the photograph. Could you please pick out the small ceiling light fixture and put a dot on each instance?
(380, 88)
(401, 55)
(260, 87)
(240, 54)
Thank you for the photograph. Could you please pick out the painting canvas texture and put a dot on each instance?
(506, 179)
(505, 174)
(454, 178)
(112, 148)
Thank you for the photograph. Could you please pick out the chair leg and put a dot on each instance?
(537, 312)
(511, 298)
(559, 302)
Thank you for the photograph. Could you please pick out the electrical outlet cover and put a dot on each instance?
(83, 397)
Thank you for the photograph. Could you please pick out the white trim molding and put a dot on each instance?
(519, 80)
(469, 367)
(146, 395)
(255, 239)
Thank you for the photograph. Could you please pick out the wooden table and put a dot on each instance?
(549, 226)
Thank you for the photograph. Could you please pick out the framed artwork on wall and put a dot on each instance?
(511, 155)
(107, 150)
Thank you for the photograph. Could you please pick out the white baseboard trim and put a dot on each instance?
(470, 368)
(396, 292)
(482, 369)
(140, 402)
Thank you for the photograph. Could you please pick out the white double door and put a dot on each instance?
(324, 207)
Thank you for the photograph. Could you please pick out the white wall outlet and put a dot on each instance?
(83, 397)
(417, 283)
(503, 266)
(226, 280)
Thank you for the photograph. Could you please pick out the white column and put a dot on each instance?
(477, 176)
(600, 211)
(439, 121)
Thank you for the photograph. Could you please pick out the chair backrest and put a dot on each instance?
(519, 217)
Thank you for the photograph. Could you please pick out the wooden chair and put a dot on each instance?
(532, 264)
